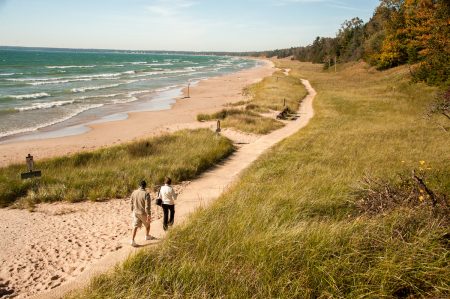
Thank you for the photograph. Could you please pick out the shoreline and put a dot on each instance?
(207, 96)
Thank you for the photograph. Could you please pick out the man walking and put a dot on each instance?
(140, 209)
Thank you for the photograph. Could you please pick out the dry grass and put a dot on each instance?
(272, 93)
(275, 91)
(243, 120)
(288, 228)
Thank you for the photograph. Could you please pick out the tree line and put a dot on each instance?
(414, 32)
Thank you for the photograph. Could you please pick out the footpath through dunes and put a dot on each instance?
(61, 246)
(197, 194)
(298, 221)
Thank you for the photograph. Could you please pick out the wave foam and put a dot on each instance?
(57, 82)
(124, 101)
(99, 96)
(138, 62)
(69, 66)
(10, 74)
(29, 96)
(67, 117)
(84, 89)
(37, 106)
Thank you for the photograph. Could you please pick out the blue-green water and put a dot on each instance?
(41, 88)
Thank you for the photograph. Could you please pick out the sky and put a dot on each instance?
(178, 25)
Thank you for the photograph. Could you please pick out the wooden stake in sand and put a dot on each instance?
(218, 127)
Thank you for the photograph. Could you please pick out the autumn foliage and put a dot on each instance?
(415, 32)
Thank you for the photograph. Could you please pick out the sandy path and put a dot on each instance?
(198, 193)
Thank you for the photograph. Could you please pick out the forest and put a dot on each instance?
(400, 32)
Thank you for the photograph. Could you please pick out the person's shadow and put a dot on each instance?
(151, 242)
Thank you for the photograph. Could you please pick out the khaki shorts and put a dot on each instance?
(139, 219)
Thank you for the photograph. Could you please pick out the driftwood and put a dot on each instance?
(420, 182)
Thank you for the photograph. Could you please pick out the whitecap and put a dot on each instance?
(84, 89)
(69, 66)
(124, 101)
(159, 64)
(10, 74)
(99, 96)
(67, 117)
(57, 82)
(29, 96)
(139, 92)
(47, 105)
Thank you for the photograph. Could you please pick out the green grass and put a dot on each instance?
(292, 227)
(114, 172)
(243, 120)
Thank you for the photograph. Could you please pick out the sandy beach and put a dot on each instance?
(208, 96)
(55, 244)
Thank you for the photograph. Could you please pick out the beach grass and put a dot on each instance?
(273, 92)
(115, 171)
(293, 226)
(243, 120)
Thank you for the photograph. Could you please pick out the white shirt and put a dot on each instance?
(168, 195)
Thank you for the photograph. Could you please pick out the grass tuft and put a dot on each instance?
(243, 120)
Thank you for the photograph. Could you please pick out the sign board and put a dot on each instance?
(30, 174)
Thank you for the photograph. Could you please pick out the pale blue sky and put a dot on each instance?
(194, 25)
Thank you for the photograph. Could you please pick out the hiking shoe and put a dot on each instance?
(134, 244)
(148, 238)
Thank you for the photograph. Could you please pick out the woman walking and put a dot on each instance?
(168, 197)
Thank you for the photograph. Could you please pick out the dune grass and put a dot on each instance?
(243, 120)
(273, 91)
(292, 227)
(114, 172)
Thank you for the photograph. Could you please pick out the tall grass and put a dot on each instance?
(276, 90)
(291, 227)
(243, 120)
(114, 171)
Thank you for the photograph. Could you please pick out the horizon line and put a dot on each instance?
(135, 50)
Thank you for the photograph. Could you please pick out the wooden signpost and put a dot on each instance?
(218, 127)
(31, 172)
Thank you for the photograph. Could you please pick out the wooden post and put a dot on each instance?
(335, 62)
(31, 172)
(189, 84)
(30, 162)
(284, 102)
(218, 127)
